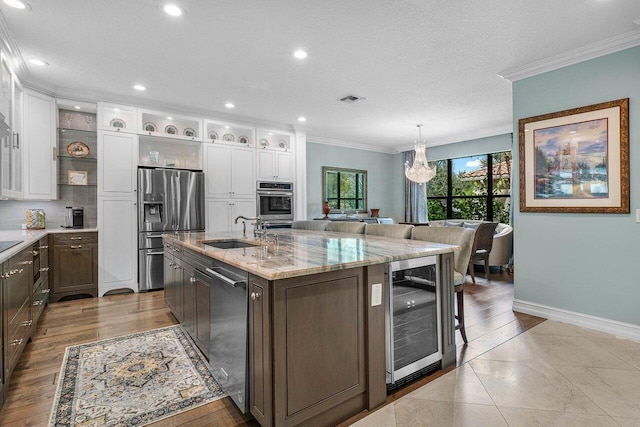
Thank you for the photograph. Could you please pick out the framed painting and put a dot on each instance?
(576, 160)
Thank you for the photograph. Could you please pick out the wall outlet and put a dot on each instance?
(376, 294)
(637, 215)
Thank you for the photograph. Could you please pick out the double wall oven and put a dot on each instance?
(275, 203)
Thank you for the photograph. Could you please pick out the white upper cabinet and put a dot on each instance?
(41, 171)
(221, 214)
(229, 171)
(169, 125)
(274, 140)
(229, 133)
(275, 166)
(11, 152)
(118, 118)
(117, 164)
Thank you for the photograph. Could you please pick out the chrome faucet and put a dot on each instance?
(258, 231)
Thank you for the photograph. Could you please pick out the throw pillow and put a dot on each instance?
(448, 223)
(472, 225)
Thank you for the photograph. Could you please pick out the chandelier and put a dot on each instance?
(420, 172)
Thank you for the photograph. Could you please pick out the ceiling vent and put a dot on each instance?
(351, 99)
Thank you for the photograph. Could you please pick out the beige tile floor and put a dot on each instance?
(554, 374)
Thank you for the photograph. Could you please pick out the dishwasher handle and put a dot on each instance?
(228, 280)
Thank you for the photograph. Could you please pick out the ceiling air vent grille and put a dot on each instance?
(351, 99)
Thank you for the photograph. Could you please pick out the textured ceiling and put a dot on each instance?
(431, 62)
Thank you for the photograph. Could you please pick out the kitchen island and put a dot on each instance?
(316, 317)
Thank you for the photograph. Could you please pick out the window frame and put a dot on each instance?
(489, 198)
(327, 169)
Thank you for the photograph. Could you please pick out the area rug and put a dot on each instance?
(132, 380)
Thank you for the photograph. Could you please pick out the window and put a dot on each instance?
(462, 189)
(345, 189)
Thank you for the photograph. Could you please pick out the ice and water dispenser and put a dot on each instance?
(153, 207)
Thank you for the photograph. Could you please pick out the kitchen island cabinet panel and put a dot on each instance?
(259, 350)
(319, 339)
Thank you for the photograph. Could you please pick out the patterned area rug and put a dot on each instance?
(132, 380)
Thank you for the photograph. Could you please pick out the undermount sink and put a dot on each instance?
(230, 244)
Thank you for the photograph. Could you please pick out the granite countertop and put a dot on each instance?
(28, 237)
(303, 252)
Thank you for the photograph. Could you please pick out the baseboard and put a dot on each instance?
(620, 329)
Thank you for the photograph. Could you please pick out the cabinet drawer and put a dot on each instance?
(39, 300)
(19, 330)
(73, 238)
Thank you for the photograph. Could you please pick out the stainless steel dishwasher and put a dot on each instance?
(229, 327)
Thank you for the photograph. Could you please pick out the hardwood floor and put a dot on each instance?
(489, 318)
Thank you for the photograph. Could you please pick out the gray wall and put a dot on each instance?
(473, 147)
(384, 177)
(585, 263)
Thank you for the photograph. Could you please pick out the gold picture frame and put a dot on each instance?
(576, 160)
(77, 178)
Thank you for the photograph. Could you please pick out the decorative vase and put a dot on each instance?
(375, 213)
(326, 209)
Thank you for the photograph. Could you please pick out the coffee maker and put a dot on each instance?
(74, 217)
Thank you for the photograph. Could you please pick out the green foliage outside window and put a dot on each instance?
(345, 189)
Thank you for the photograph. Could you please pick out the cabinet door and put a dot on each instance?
(117, 118)
(217, 170)
(75, 268)
(284, 167)
(118, 244)
(218, 215)
(40, 143)
(202, 315)
(266, 165)
(243, 182)
(169, 288)
(188, 299)
(241, 207)
(260, 379)
(117, 164)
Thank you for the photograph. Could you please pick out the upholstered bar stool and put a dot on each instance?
(459, 236)
(310, 225)
(396, 231)
(346, 227)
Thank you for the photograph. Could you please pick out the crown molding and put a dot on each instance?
(591, 51)
(348, 144)
(484, 133)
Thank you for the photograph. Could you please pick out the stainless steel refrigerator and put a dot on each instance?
(168, 200)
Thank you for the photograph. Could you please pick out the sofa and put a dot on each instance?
(502, 241)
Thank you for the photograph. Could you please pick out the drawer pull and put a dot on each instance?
(26, 323)
(75, 238)
(26, 263)
(76, 247)
(44, 247)
(37, 303)
(255, 295)
(192, 280)
(46, 291)
(43, 269)
(34, 253)
(15, 342)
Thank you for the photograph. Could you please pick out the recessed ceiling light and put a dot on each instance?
(172, 9)
(300, 54)
(169, 118)
(139, 87)
(302, 119)
(226, 127)
(77, 107)
(229, 105)
(116, 109)
(16, 3)
(38, 62)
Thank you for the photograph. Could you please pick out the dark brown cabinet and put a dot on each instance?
(40, 295)
(74, 261)
(16, 292)
(259, 351)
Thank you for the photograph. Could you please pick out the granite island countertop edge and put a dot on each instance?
(305, 252)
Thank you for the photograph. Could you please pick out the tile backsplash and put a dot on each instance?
(13, 212)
